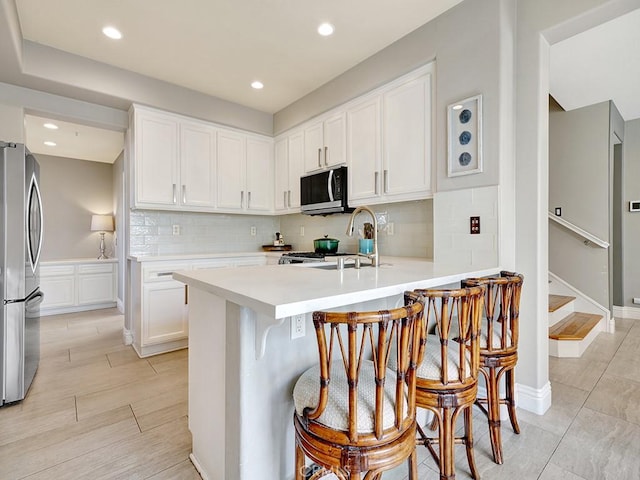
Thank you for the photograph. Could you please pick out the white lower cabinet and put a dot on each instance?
(78, 285)
(159, 305)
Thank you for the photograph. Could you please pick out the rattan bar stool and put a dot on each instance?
(447, 377)
(499, 356)
(354, 416)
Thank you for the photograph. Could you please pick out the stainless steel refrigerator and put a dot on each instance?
(20, 246)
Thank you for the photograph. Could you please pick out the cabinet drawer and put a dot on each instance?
(57, 270)
(162, 273)
(96, 268)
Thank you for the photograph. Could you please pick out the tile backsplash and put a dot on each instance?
(152, 231)
(412, 229)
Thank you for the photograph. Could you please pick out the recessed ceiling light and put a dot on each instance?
(112, 32)
(50, 144)
(257, 85)
(456, 107)
(325, 29)
(50, 126)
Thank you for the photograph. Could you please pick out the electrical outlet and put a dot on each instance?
(391, 229)
(474, 225)
(253, 231)
(297, 326)
(636, 300)
(302, 230)
(176, 229)
(558, 211)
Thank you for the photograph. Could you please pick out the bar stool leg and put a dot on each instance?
(468, 441)
(446, 442)
(493, 412)
(300, 467)
(510, 397)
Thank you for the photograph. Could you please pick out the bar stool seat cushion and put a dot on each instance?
(307, 390)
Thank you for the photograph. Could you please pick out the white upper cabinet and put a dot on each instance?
(259, 174)
(389, 142)
(231, 171)
(364, 151)
(325, 143)
(197, 165)
(406, 139)
(289, 167)
(245, 172)
(184, 164)
(156, 159)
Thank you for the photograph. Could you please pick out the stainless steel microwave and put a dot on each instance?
(325, 192)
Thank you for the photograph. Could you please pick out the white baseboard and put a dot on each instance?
(533, 400)
(45, 312)
(627, 312)
(127, 336)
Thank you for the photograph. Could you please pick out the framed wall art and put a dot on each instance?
(464, 120)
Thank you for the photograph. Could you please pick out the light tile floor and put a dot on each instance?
(97, 411)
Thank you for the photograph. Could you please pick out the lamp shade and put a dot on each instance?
(102, 223)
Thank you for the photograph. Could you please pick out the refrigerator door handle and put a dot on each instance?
(35, 295)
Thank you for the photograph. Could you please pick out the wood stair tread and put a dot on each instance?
(558, 301)
(575, 326)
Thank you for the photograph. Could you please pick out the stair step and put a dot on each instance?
(575, 326)
(558, 301)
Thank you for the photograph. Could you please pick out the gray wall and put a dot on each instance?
(73, 190)
(631, 220)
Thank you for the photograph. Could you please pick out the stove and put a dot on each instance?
(304, 257)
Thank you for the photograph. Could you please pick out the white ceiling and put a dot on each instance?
(598, 65)
(219, 47)
(72, 140)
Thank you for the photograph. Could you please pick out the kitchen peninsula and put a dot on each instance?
(244, 361)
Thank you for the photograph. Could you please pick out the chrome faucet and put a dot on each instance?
(350, 227)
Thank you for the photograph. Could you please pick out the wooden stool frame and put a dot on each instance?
(499, 353)
(354, 338)
(451, 393)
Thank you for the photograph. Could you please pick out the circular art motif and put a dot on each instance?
(464, 159)
(464, 138)
(465, 116)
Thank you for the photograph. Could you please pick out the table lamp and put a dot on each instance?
(102, 224)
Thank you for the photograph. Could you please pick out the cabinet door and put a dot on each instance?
(164, 317)
(259, 174)
(296, 169)
(281, 183)
(313, 147)
(364, 150)
(335, 148)
(156, 159)
(197, 165)
(407, 138)
(230, 179)
(96, 288)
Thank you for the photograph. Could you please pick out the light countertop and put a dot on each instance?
(280, 291)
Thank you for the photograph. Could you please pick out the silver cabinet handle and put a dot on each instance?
(248, 199)
(175, 199)
(241, 198)
(326, 156)
(386, 181)
(164, 274)
(289, 198)
(184, 194)
(376, 176)
(319, 153)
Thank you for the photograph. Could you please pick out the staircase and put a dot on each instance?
(571, 332)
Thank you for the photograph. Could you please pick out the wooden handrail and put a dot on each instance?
(590, 239)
